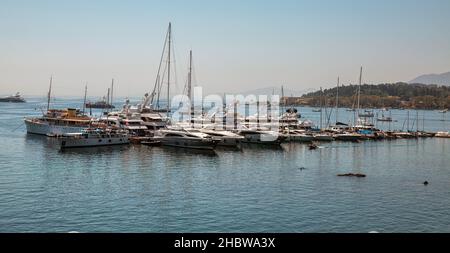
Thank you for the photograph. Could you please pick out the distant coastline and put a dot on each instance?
(398, 95)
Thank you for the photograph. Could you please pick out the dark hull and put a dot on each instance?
(12, 100)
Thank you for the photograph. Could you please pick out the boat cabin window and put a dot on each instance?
(134, 123)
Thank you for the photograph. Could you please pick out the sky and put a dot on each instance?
(237, 45)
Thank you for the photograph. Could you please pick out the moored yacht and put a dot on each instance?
(325, 137)
(264, 137)
(185, 139)
(94, 137)
(57, 122)
(442, 135)
(225, 138)
(347, 136)
(297, 136)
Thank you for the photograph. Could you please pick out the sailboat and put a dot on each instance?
(384, 118)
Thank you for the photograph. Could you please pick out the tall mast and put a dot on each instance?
(84, 101)
(408, 122)
(321, 98)
(107, 97)
(157, 87)
(337, 100)
(191, 102)
(168, 69)
(282, 105)
(190, 76)
(112, 90)
(359, 88)
(49, 93)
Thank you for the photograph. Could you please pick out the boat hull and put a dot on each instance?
(92, 142)
(298, 138)
(228, 142)
(44, 128)
(261, 139)
(190, 143)
(326, 138)
(347, 137)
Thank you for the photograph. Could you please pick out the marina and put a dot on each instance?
(142, 188)
(266, 119)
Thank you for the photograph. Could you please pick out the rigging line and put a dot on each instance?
(161, 84)
(21, 124)
(159, 68)
(174, 63)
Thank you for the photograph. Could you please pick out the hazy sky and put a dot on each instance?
(238, 45)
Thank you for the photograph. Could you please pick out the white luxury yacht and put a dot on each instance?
(185, 139)
(94, 137)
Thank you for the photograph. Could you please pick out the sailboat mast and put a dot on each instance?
(337, 100)
(417, 121)
(408, 122)
(84, 101)
(190, 76)
(112, 90)
(168, 69)
(321, 98)
(359, 89)
(49, 93)
(283, 104)
(107, 97)
(191, 102)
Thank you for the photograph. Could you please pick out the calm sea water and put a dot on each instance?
(153, 189)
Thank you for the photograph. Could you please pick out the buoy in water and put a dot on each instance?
(425, 183)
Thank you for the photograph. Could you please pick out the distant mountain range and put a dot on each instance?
(439, 79)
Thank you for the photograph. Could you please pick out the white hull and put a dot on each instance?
(261, 139)
(44, 128)
(92, 142)
(442, 135)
